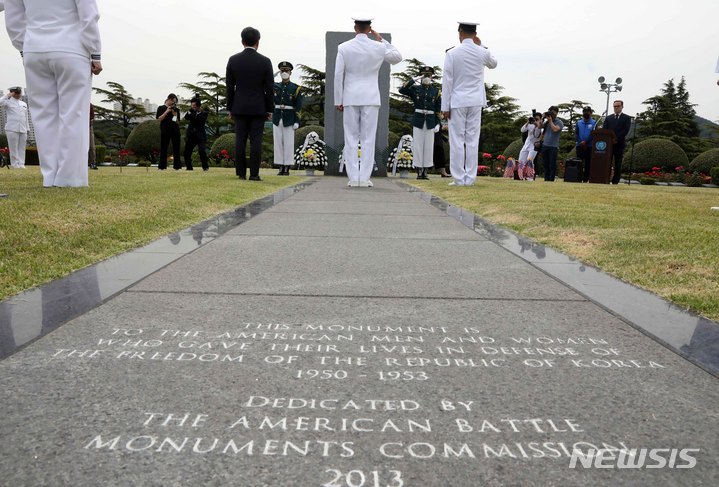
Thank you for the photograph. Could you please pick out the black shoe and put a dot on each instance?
(242, 176)
(205, 168)
(94, 166)
(190, 169)
(446, 175)
(255, 178)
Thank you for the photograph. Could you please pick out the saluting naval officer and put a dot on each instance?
(463, 98)
(356, 94)
(425, 121)
(60, 44)
(16, 125)
(285, 118)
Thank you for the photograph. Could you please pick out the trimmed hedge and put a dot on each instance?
(301, 133)
(705, 161)
(144, 140)
(714, 173)
(223, 142)
(3, 140)
(655, 152)
(513, 149)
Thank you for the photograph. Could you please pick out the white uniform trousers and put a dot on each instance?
(422, 146)
(360, 126)
(284, 142)
(58, 89)
(16, 142)
(464, 126)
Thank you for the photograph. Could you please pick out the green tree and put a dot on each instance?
(671, 115)
(499, 121)
(313, 91)
(121, 118)
(212, 91)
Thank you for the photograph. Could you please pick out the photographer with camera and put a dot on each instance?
(529, 149)
(550, 144)
(169, 117)
(196, 135)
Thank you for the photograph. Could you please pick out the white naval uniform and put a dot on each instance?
(357, 89)
(464, 97)
(58, 39)
(15, 129)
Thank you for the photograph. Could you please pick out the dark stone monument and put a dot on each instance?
(334, 133)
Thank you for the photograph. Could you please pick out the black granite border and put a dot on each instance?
(691, 336)
(32, 314)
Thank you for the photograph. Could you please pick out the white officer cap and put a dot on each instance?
(468, 26)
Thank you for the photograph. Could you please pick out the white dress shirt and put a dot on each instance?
(463, 76)
(54, 26)
(357, 68)
(16, 111)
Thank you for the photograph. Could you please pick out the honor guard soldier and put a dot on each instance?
(425, 121)
(285, 118)
(463, 97)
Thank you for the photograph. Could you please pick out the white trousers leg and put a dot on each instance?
(422, 147)
(464, 126)
(58, 88)
(284, 143)
(16, 142)
(360, 126)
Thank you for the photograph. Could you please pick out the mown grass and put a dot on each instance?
(46, 233)
(664, 239)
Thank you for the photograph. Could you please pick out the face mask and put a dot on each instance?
(285, 75)
(426, 80)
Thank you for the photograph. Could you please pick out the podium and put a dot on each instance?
(601, 162)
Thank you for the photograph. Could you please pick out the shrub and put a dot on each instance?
(655, 152)
(226, 143)
(144, 140)
(513, 149)
(3, 140)
(392, 141)
(648, 181)
(302, 132)
(694, 179)
(714, 173)
(572, 154)
(705, 161)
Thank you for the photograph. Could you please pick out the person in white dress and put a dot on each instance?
(529, 150)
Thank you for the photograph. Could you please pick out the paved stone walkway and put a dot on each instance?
(353, 337)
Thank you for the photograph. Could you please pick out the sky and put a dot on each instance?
(548, 52)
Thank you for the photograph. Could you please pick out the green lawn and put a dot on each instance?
(665, 239)
(46, 233)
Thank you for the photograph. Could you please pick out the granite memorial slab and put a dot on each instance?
(321, 360)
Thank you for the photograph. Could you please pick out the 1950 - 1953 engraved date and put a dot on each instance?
(339, 374)
(361, 478)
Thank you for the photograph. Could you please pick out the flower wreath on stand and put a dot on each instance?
(311, 154)
(401, 156)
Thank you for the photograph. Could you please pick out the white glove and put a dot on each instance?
(295, 126)
(276, 73)
(436, 128)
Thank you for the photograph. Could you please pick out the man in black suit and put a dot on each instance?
(250, 101)
(620, 124)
